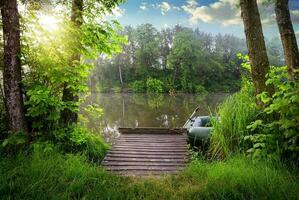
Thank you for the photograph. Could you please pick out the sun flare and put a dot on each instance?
(48, 22)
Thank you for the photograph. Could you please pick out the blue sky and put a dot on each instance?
(214, 16)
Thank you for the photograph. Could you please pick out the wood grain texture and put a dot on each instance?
(148, 152)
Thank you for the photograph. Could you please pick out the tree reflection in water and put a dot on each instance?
(145, 110)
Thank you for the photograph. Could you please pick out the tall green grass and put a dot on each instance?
(52, 175)
(236, 113)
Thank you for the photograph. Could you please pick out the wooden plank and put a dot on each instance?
(136, 148)
(136, 140)
(180, 147)
(149, 150)
(156, 136)
(162, 164)
(152, 168)
(153, 144)
(148, 156)
(152, 130)
(131, 152)
(166, 160)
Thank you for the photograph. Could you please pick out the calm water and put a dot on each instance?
(142, 110)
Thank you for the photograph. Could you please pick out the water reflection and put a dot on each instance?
(144, 110)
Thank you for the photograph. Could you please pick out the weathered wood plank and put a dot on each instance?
(162, 164)
(165, 160)
(152, 168)
(140, 148)
(152, 130)
(157, 136)
(154, 156)
(154, 144)
(163, 140)
(183, 153)
(148, 151)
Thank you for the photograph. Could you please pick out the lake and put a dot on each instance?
(145, 110)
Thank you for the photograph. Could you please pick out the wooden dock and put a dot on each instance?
(148, 151)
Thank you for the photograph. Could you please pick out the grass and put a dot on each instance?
(54, 175)
(236, 112)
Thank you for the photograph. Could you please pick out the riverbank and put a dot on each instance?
(53, 175)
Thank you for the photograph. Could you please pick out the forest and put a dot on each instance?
(205, 63)
(68, 69)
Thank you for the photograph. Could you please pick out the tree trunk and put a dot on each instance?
(256, 46)
(288, 37)
(119, 70)
(68, 116)
(12, 66)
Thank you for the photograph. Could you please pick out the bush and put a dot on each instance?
(275, 133)
(138, 86)
(78, 139)
(116, 89)
(154, 85)
(235, 113)
(199, 89)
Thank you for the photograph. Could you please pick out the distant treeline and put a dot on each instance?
(175, 59)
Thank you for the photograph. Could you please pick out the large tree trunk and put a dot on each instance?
(12, 66)
(288, 37)
(256, 46)
(68, 116)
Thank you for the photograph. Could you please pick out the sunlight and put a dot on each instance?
(48, 22)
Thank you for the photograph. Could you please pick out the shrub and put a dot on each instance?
(78, 139)
(199, 89)
(138, 86)
(116, 89)
(275, 133)
(154, 85)
(235, 113)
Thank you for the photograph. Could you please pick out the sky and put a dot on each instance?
(213, 16)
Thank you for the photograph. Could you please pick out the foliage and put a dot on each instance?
(79, 139)
(138, 86)
(199, 89)
(154, 85)
(275, 133)
(47, 56)
(181, 58)
(235, 113)
(47, 174)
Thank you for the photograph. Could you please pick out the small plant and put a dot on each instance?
(154, 85)
(199, 89)
(78, 139)
(138, 86)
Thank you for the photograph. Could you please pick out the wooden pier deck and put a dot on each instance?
(148, 151)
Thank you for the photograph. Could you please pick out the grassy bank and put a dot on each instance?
(57, 176)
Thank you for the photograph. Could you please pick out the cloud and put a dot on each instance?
(164, 6)
(297, 34)
(227, 12)
(224, 12)
(295, 16)
(143, 6)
